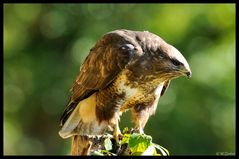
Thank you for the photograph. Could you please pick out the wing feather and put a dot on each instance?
(105, 61)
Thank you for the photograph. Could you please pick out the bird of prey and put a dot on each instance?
(125, 70)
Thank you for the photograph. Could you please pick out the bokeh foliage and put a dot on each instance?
(44, 45)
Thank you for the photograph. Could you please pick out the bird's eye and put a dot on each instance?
(176, 62)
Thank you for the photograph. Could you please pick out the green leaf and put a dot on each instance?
(108, 144)
(96, 153)
(125, 130)
(125, 138)
(155, 151)
(139, 142)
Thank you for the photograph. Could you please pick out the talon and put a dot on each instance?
(141, 131)
(117, 134)
(138, 130)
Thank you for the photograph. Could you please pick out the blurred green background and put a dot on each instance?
(44, 45)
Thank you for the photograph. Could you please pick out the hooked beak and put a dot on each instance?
(189, 74)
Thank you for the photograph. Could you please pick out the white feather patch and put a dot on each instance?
(159, 89)
(70, 124)
(84, 111)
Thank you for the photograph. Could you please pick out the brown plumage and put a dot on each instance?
(125, 70)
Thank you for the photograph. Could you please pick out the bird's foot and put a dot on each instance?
(138, 130)
(117, 134)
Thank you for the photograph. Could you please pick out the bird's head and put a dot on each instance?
(153, 55)
(170, 62)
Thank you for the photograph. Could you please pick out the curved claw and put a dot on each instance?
(139, 130)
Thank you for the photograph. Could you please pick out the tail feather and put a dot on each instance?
(67, 112)
(73, 102)
(83, 120)
(70, 124)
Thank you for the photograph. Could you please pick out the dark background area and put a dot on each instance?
(44, 46)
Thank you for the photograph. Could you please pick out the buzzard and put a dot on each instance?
(125, 70)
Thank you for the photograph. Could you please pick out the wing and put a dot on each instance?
(105, 61)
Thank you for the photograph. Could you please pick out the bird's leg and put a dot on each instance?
(140, 118)
(117, 131)
(115, 124)
(138, 126)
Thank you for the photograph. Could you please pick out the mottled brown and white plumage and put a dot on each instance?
(125, 70)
